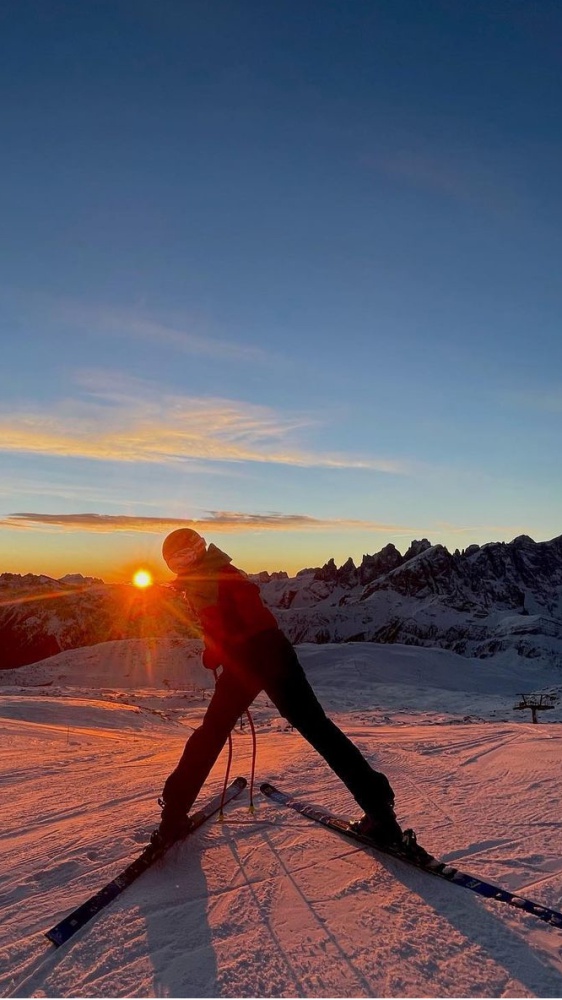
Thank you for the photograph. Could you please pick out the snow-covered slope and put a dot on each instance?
(133, 663)
(271, 905)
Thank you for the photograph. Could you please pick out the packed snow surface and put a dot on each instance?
(270, 904)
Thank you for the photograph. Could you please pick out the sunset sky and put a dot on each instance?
(290, 271)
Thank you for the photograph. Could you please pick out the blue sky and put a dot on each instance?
(290, 270)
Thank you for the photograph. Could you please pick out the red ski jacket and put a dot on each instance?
(227, 605)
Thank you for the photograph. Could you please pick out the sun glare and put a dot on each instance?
(142, 578)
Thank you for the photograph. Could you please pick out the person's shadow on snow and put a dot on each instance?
(180, 945)
(483, 926)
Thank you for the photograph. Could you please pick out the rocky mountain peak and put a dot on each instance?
(416, 548)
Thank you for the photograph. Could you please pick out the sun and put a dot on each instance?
(142, 579)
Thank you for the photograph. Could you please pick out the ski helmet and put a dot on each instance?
(184, 547)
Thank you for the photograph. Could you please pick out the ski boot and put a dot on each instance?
(174, 825)
(411, 849)
(380, 827)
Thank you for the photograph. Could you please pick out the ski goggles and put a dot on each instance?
(185, 559)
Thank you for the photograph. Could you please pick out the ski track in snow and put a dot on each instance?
(272, 904)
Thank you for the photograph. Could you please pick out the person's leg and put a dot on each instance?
(231, 698)
(290, 691)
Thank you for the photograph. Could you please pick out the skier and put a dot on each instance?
(242, 636)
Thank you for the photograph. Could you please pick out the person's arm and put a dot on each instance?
(211, 657)
(244, 612)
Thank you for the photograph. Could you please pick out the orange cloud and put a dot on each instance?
(215, 521)
(127, 420)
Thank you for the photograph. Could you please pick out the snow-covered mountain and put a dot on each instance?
(479, 602)
(485, 600)
(40, 617)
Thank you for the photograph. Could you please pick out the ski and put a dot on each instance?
(68, 926)
(426, 862)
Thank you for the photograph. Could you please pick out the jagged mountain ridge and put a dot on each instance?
(486, 600)
(481, 601)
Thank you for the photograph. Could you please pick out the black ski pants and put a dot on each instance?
(269, 663)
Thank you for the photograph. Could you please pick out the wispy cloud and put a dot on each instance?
(452, 174)
(541, 400)
(489, 531)
(130, 420)
(213, 521)
(135, 324)
(425, 171)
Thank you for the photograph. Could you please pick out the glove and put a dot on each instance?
(209, 659)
